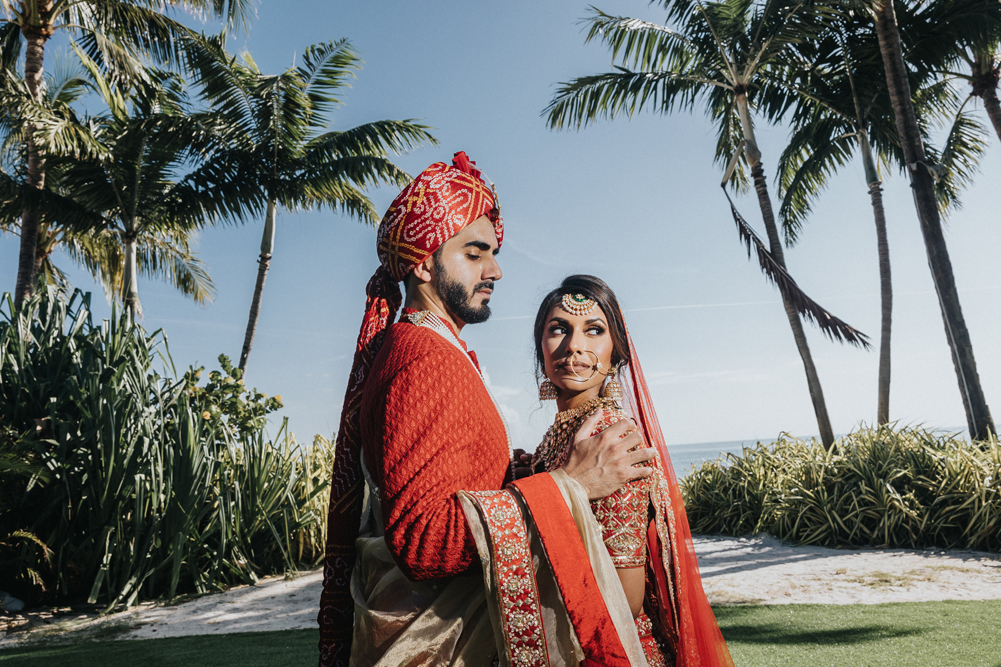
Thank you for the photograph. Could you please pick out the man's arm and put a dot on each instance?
(430, 450)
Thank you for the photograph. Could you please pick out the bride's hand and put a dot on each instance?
(604, 462)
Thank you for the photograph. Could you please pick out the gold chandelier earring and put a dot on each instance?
(612, 389)
(547, 391)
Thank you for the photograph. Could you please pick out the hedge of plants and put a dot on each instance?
(888, 487)
(119, 482)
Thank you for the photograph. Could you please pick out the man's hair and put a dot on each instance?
(592, 288)
(436, 256)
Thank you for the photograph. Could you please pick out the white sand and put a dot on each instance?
(758, 570)
(762, 570)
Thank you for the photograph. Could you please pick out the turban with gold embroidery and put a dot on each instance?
(436, 206)
(431, 210)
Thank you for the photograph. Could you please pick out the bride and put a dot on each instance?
(588, 365)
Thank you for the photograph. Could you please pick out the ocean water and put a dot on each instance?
(683, 457)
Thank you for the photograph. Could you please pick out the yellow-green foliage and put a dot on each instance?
(312, 495)
(119, 483)
(882, 487)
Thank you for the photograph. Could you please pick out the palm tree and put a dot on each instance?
(983, 78)
(275, 126)
(842, 109)
(720, 56)
(118, 178)
(166, 256)
(959, 40)
(921, 172)
(112, 32)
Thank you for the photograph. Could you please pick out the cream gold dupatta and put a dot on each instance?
(515, 603)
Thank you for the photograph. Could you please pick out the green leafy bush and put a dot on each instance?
(151, 486)
(880, 487)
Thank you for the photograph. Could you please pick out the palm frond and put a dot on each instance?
(378, 138)
(605, 96)
(325, 70)
(640, 44)
(831, 326)
(339, 196)
(965, 144)
(10, 45)
(815, 152)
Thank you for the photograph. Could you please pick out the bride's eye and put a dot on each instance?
(595, 330)
(557, 330)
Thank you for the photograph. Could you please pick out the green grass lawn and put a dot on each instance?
(925, 634)
(953, 634)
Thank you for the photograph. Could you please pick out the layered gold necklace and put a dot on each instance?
(554, 450)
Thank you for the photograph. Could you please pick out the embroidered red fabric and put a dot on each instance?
(584, 603)
(433, 208)
(700, 642)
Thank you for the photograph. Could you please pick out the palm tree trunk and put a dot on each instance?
(993, 108)
(45, 243)
(984, 81)
(978, 415)
(885, 286)
(753, 155)
(130, 288)
(34, 57)
(264, 263)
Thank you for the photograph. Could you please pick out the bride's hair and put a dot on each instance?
(592, 288)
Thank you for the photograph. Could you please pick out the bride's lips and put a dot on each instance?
(576, 366)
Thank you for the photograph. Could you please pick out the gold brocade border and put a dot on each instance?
(521, 610)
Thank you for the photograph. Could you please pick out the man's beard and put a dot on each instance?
(457, 300)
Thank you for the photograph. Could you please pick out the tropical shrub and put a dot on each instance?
(152, 486)
(891, 487)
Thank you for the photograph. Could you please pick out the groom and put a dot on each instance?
(420, 426)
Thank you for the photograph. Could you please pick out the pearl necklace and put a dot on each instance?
(428, 320)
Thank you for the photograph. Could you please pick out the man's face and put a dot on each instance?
(465, 270)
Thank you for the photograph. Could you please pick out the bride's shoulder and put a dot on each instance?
(610, 414)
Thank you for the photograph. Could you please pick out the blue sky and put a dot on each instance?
(634, 201)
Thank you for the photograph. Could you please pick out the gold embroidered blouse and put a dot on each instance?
(623, 516)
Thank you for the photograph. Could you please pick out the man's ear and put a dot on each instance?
(424, 271)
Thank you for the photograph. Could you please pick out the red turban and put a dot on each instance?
(431, 210)
(438, 204)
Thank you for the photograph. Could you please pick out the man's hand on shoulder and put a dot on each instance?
(603, 463)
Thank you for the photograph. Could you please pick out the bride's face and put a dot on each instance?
(572, 345)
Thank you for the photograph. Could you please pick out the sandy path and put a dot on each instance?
(758, 570)
(762, 570)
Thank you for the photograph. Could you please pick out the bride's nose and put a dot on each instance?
(576, 342)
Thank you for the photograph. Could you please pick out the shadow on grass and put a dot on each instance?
(776, 634)
(791, 634)
(251, 649)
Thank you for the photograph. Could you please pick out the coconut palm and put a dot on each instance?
(921, 172)
(276, 126)
(139, 174)
(113, 33)
(842, 109)
(959, 39)
(719, 57)
(167, 256)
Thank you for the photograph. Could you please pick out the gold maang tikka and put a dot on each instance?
(578, 304)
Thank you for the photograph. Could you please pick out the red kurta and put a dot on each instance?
(429, 429)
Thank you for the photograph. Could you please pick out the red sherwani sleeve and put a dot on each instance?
(434, 431)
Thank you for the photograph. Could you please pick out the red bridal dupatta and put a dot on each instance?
(699, 640)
